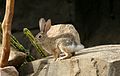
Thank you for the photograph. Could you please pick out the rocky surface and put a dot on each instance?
(16, 57)
(59, 29)
(95, 61)
(8, 71)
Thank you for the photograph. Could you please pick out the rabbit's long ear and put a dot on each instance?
(42, 24)
(48, 25)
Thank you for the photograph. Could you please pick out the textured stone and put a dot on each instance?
(63, 28)
(95, 61)
(16, 57)
(8, 71)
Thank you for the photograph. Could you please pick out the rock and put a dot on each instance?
(95, 61)
(16, 57)
(8, 71)
(63, 28)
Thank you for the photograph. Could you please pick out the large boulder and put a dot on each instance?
(59, 29)
(95, 61)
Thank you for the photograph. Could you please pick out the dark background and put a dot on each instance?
(97, 21)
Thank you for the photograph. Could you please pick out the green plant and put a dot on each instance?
(34, 43)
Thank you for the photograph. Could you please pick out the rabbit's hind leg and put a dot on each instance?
(66, 52)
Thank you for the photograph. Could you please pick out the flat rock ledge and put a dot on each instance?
(95, 61)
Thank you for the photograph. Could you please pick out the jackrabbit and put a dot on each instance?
(55, 45)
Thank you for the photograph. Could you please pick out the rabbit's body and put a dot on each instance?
(55, 45)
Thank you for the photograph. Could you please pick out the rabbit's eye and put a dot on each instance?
(40, 36)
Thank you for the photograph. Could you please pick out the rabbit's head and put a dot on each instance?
(44, 27)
